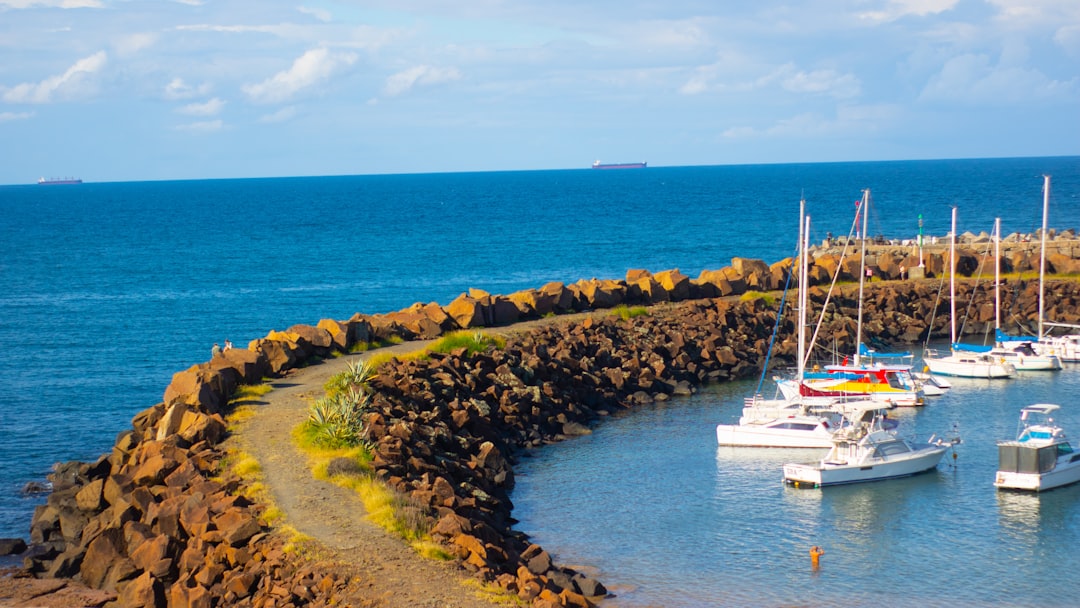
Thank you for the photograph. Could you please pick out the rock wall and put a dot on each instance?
(157, 522)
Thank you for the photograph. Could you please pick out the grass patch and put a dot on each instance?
(472, 341)
(493, 593)
(626, 313)
(248, 469)
(769, 299)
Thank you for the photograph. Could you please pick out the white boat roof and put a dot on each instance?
(1041, 408)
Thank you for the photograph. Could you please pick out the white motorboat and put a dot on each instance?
(1066, 347)
(1022, 355)
(958, 362)
(865, 450)
(1040, 458)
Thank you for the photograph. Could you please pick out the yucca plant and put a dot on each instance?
(337, 421)
(358, 375)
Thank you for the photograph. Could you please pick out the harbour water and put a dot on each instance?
(110, 288)
(666, 518)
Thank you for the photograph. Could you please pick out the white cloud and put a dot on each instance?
(853, 119)
(281, 115)
(208, 126)
(1068, 38)
(318, 13)
(133, 43)
(973, 79)
(309, 70)
(9, 116)
(73, 83)
(212, 107)
(828, 82)
(177, 89)
(897, 9)
(788, 77)
(421, 75)
(51, 4)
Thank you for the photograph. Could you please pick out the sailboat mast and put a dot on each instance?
(952, 281)
(1042, 254)
(864, 209)
(997, 275)
(804, 237)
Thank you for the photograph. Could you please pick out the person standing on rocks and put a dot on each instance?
(215, 350)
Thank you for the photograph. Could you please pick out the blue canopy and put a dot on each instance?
(971, 348)
(867, 352)
(1001, 336)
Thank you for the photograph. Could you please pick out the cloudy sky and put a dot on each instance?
(155, 89)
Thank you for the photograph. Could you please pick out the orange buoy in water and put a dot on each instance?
(815, 556)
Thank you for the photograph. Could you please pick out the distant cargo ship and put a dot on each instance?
(600, 165)
(58, 181)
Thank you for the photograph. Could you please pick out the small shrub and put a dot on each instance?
(769, 299)
(626, 313)
(473, 342)
(344, 466)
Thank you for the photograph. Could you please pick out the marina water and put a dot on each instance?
(110, 288)
(665, 517)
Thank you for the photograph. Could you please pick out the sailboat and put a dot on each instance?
(958, 362)
(1017, 350)
(786, 423)
(1066, 347)
(878, 382)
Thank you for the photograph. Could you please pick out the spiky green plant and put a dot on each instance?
(357, 376)
(337, 421)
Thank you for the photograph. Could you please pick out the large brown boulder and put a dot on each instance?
(601, 294)
(675, 283)
(248, 365)
(313, 340)
(279, 352)
(202, 387)
(533, 303)
(756, 273)
(563, 297)
(339, 333)
(466, 311)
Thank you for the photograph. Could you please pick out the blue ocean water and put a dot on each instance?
(110, 288)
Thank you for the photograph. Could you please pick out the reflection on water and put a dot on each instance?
(670, 519)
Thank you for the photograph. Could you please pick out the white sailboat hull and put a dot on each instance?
(826, 473)
(968, 366)
(762, 435)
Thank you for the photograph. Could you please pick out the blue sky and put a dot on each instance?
(154, 89)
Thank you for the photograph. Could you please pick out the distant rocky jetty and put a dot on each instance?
(157, 523)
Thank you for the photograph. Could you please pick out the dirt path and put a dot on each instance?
(391, 574)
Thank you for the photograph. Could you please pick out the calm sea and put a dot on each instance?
(110, 288)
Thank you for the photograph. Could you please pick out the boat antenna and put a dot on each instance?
(864, 209)
(1042, 254)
